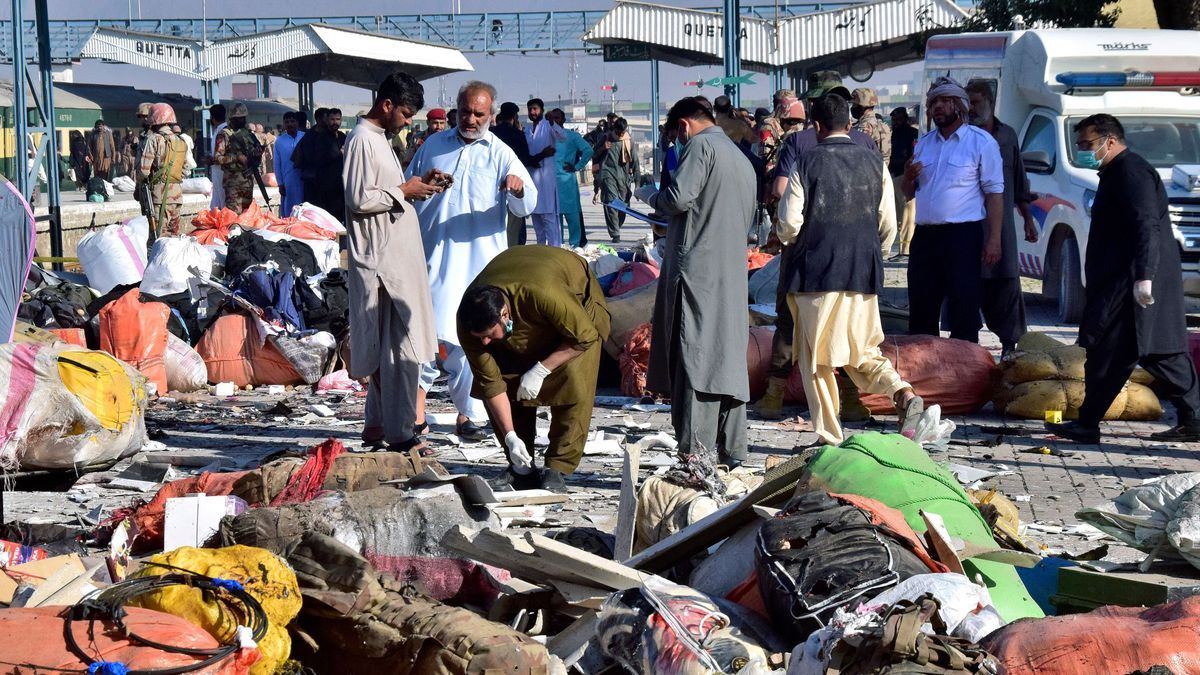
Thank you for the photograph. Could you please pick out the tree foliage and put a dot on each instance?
(999, 14)
(1178, 14)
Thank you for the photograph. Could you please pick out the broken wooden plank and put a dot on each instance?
(572, 643)
(601, 572)
(627, 508)
(579, 595)
(777, 486)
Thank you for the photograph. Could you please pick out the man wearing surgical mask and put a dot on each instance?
(532, 324)
(1133, 313)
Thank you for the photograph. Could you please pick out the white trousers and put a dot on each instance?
(459, 384)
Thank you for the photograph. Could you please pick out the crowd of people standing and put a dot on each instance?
(437, 223)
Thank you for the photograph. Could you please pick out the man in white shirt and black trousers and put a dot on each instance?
(958, 178)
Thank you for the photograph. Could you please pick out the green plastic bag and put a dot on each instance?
(899, 473)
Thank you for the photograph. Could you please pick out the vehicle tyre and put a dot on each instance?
(1070, 284)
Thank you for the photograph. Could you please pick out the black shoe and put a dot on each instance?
(727, 461)
(1187, 432)
(510, 481)
(469, 431)
(552, 480)
(1075, 431)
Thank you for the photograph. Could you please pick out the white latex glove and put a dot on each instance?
(518, 455)
(531, 382)
(1142, 294)
(645, 192)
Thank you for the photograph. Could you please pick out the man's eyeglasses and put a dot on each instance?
(790, 122)
(1089, 143)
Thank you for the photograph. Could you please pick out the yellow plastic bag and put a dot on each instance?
(264, 575)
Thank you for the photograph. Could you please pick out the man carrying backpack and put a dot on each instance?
(160, 169)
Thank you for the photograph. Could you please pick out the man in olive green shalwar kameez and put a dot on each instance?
(532, 325)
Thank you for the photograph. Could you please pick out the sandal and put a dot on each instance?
(421, 429)
(469, 431)
(416, 443)
(910, 415)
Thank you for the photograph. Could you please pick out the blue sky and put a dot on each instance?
(516, 77)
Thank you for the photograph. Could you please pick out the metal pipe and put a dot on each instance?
(53, 197)
(20, 115)
(733, 44)
(656, 152)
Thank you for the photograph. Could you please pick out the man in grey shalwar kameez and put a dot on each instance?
(700, 328)
(391, 314)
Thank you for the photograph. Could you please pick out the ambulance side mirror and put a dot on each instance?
(1037, 161)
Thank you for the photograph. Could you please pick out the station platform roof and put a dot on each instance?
(305, 53)
(872, 33)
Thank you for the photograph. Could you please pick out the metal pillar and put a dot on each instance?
(50, 132)
(20, 114)
(654, 119)
(779, 79)
(733, 47)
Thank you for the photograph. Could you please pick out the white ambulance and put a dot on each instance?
(1048, 80)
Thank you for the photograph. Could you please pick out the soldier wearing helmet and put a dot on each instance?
(239, 156)
(160, 168)
(862, 107)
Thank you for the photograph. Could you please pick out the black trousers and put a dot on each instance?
(785, 324)
(1003, 306)
(1110, 363)
(944, 267)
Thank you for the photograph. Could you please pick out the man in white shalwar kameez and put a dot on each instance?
(391, 316)
(542, 135)
(463, 228)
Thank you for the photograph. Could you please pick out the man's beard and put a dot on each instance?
(472, 135)
(946, 121)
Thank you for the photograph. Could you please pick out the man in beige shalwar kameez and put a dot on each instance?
(391, 314)
(837, 208)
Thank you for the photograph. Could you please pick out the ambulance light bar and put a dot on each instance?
(1131, 79)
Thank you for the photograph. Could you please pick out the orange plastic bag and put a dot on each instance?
(301, 229)
(756, 259)
(959, 376)
(71, 336)
(149, 517)
(212, 226)
(1107, 640)
(136, 332)
(231, 353)
(35, 642)
(252, 217)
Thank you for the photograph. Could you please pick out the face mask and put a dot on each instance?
(1088, 159)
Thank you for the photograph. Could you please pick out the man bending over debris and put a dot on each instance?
(532, 325)
(838, 202)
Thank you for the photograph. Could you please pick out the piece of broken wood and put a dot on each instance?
(777, 486)
(627, 507)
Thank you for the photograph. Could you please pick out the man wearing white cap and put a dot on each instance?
(958, 178)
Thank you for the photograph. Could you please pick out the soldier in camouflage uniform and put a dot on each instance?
(772, 133)
(139, 193)
(239, 156)
(160, 166)
(862, 106)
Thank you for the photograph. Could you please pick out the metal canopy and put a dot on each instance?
(306, 54)
(689, 37)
